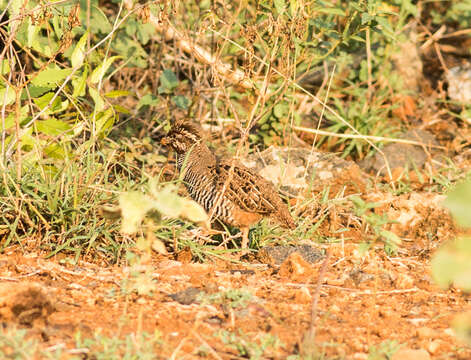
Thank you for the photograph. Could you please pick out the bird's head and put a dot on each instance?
(182, 136)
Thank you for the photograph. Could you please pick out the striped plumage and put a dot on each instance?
(247, 197)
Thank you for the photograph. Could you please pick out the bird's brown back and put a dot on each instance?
(233, 193)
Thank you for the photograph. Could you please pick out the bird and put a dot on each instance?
(232, 193)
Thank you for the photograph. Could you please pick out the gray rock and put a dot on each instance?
(295, 170)
(275, 255)
(401, 155)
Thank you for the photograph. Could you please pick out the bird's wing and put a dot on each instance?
(246, 189)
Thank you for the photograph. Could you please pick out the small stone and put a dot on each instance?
(302, 295)
(357, 345)
(296, 268)
(276, 255)
(335, 281)
(411, 354)
(91, 301)
(459, 83)
(334, 308)
(187, 296)
(404, 281)
(425, 332)
(434, 346)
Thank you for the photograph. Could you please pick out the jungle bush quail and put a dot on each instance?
(229, 191)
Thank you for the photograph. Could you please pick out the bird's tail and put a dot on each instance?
(285, 218)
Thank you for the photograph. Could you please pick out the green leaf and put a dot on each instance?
(117, 93)
(99, 102)
(366, 18)
(331, 11)
(168, 203)
(80, 84)
(50, 77)
(99, 23)
(134, 207)
(168, 82)
(34, 91)
(149, 100)
(104, 122)
(145, 33)
(4, 67)
(10, 119)
(452, 264)
(121, 109)
(194, 212)
(279, 6)
(131, 50)
(56, 24)
(7, 97)
(281, 110)
(459, 203)
(56, 151)
(181, 101)
(44, 100)
(100, 71)
(31, 33)
(15, 7)
(462, 326)
(52, 126)
(391, 238)
(79, 51)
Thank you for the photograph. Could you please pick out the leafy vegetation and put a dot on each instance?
(452, 263)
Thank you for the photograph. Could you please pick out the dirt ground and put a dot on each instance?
(361, 300)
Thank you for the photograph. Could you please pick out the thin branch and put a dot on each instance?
(236, 76)
(309, 337)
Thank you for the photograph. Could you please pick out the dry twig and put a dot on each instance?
(236, 76)
(308, 347)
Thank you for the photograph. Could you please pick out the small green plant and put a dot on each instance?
(455, 11)
(261, 348)
(15, 345)
(376, 223)
(132, 346)
(234, 298)
(383, 351)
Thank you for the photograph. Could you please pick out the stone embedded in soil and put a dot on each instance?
(411, 354)
(296, 268)
(276, 255)
(434, 346)
(187, 296)
(25, 303)
(459, 83)
(296, 170)
(359, 276)
(401, 156)
(425, 332)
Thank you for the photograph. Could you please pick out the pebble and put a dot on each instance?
(434, 346)
(411, 354)
(425, 332)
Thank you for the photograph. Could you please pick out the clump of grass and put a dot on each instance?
(133, 346)
(260, 346)
(14, 344)
(59, 208)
